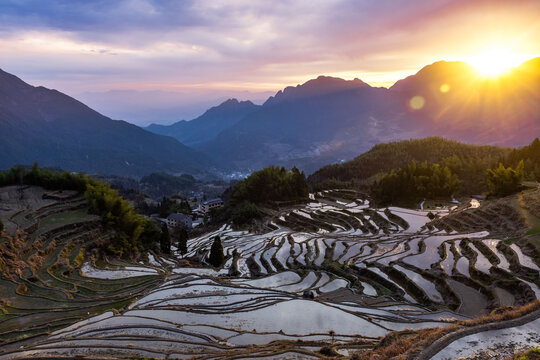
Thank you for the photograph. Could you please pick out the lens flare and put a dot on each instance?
(417, 102)
(444, 88)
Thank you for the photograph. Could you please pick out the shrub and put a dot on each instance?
(79, 260)
(328, 351)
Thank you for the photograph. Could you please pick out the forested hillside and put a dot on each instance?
(530, 155)
(263, 187)
(467, 161)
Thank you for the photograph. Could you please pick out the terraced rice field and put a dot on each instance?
(332, 271)
(42, 288)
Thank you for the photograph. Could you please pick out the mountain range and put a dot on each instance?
(207, 126)
(328, 120)
(325, 120)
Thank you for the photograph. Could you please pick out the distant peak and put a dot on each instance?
(234, 102)
(315, 87)
(331, 80)
(230, 102)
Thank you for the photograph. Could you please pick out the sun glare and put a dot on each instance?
(495, 62)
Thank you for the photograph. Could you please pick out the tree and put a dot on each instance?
(182, 241)
(1, 226)
(165, 240)
(531, 155)
(244, 213)
(504, 181)
(216, 253)
(416, 181)
(271, 184)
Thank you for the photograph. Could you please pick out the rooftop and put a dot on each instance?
(212, 201)
(179, 217)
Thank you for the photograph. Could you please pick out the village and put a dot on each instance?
(199, 214)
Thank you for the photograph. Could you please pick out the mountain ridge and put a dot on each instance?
(209, 124)
(46, 126)
(320, 121)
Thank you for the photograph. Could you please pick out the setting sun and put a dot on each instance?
(496, 61)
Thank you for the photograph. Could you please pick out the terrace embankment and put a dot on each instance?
(335, 273)
(41, 253)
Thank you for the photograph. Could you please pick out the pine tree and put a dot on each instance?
(216, 253)
(182, 241)
(165, 240)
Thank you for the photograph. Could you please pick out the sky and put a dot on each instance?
(165, 60)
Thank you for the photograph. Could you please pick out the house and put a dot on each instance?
(206, 206)
(176, 219)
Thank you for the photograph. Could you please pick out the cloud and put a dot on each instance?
(99, 45)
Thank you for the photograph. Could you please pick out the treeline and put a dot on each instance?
(162, 184)
(131, 232)
(52, 180)
(414, 182)
(468, 161)
(269, 185)
(530, 155)
(487, 170)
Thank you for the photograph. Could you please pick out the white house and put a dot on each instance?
(175, 219)
(206, 206)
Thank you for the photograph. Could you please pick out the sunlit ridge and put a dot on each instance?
(496, 61)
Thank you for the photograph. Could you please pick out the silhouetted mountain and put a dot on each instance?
(460, 104)
(327, 120)
(322, 121)
(320, 86)
(38, 124)
(208, 125)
